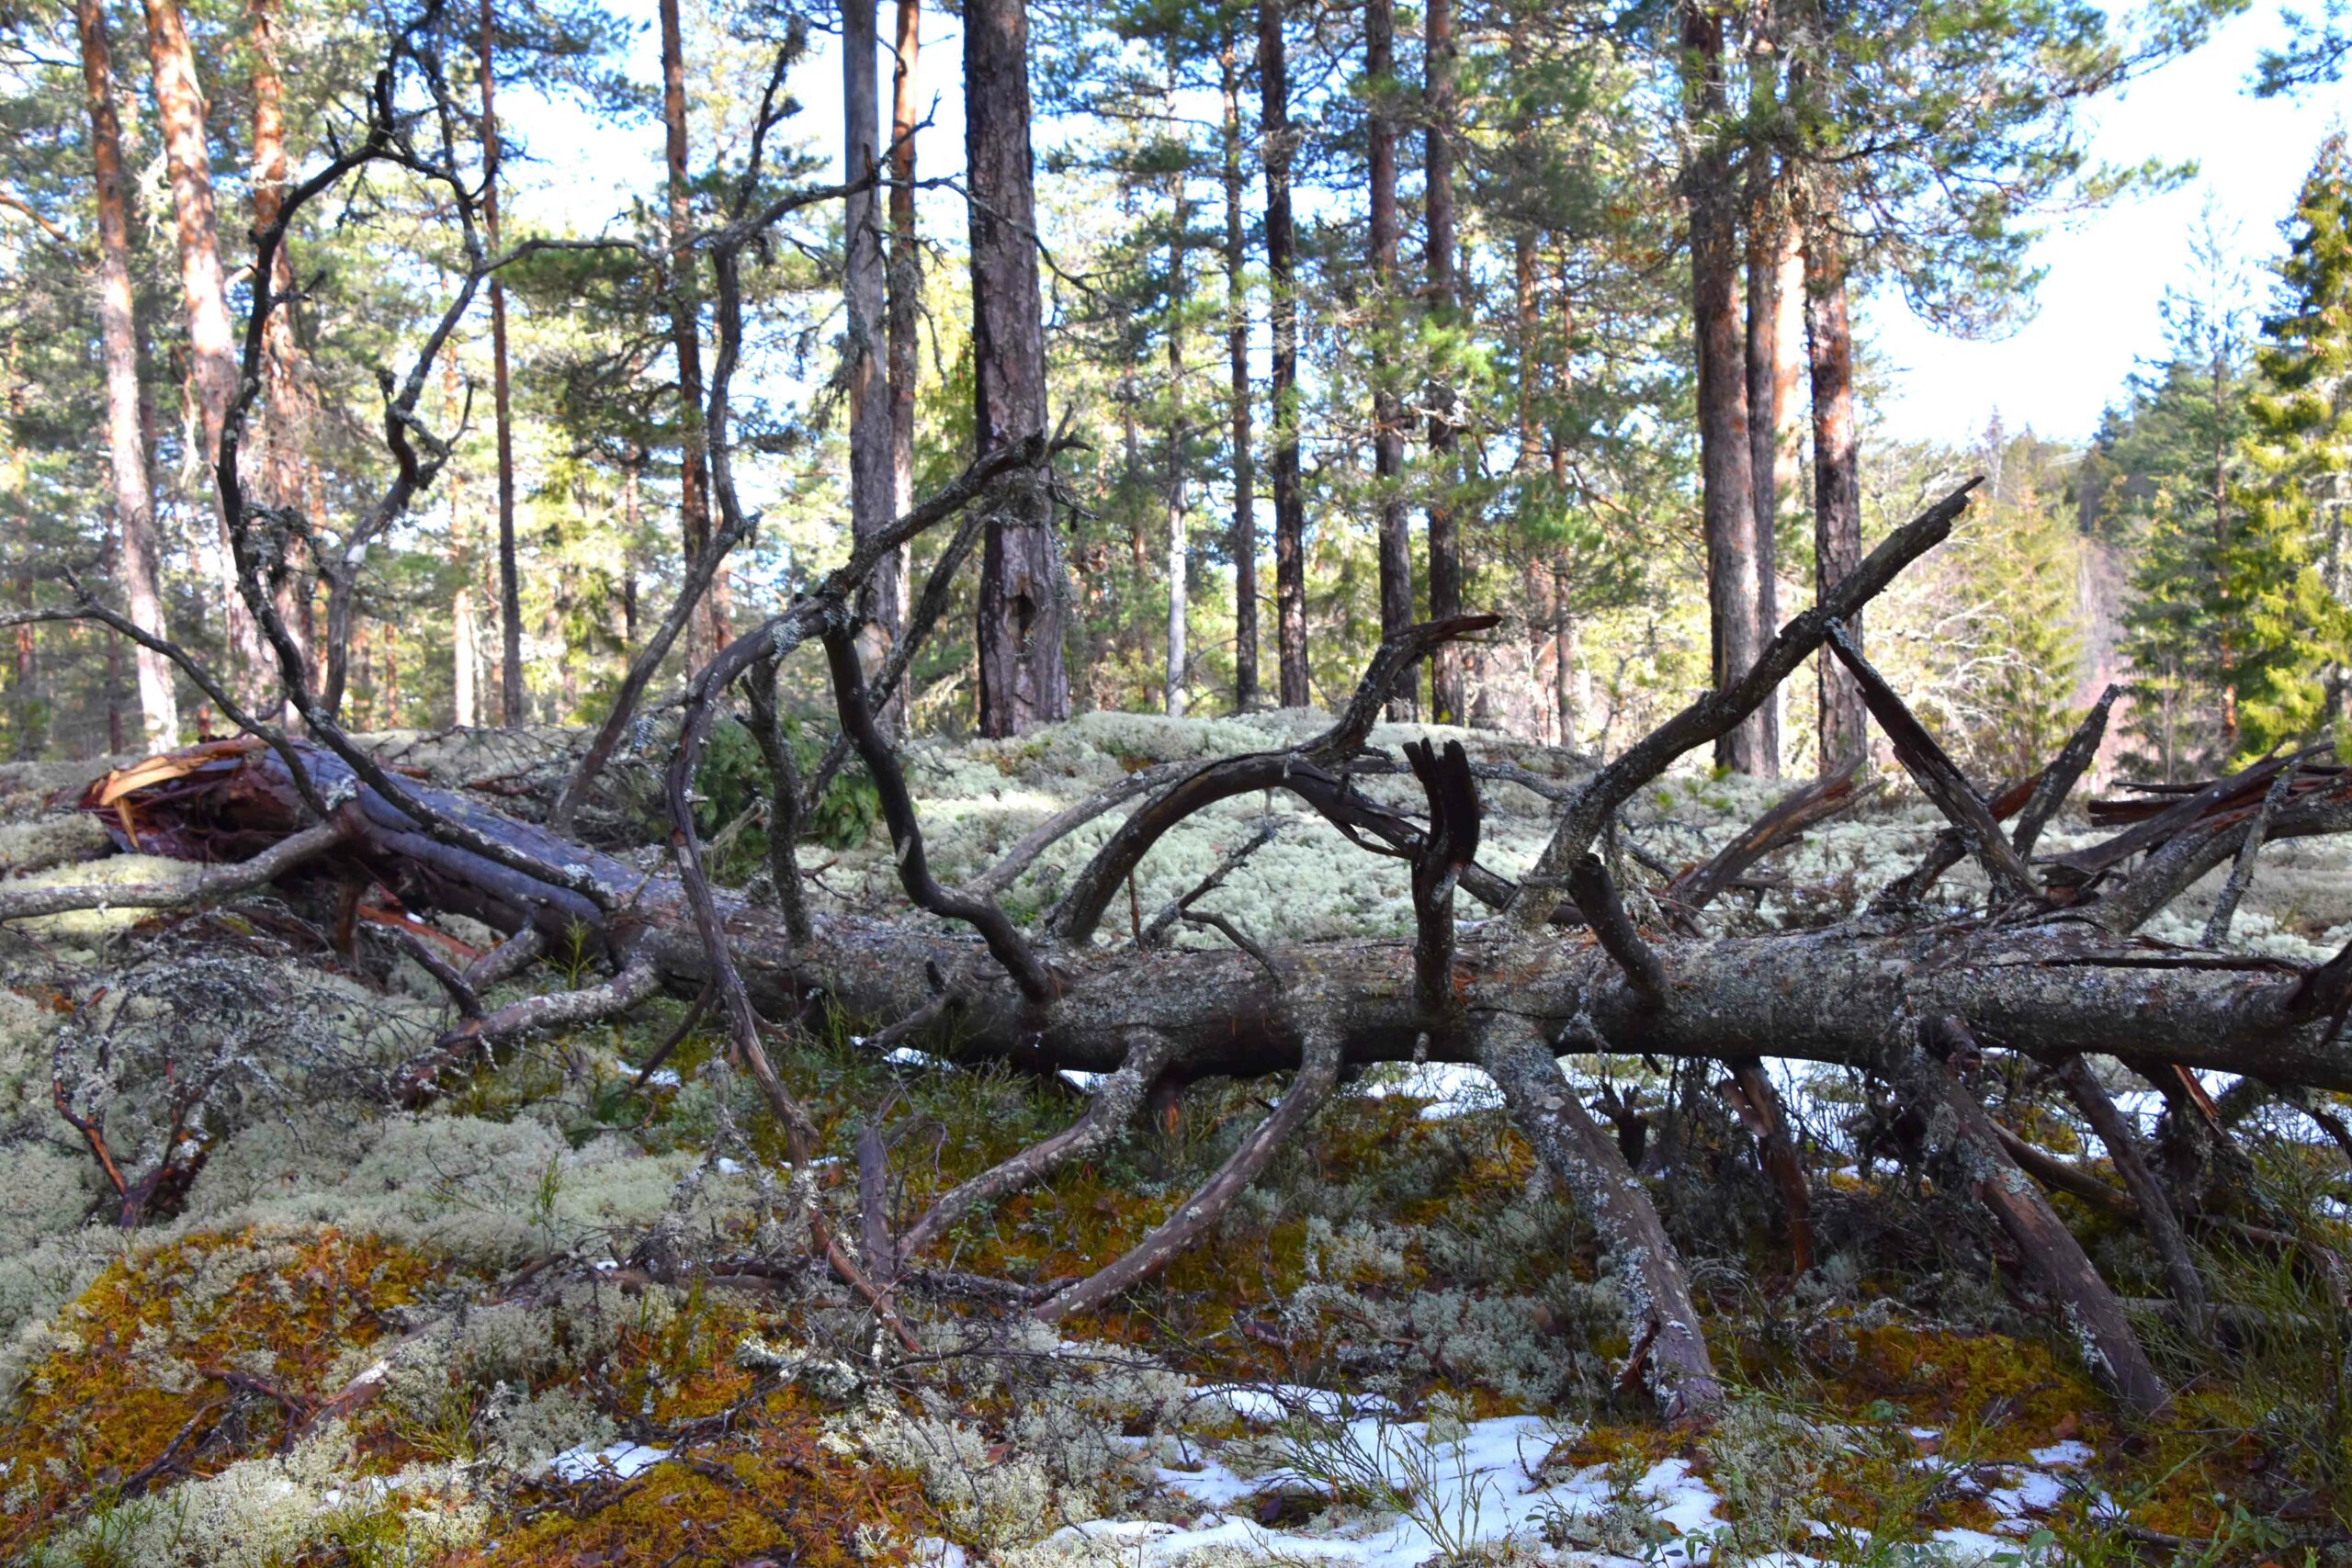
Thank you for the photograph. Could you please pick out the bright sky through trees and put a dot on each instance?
(2098, 305)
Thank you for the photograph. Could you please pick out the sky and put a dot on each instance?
(2099, 306)
(2097, 314)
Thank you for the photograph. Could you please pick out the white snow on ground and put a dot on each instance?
(1477, 1484)
(1480, 1483)
(1270, 1403)
(619, 1461)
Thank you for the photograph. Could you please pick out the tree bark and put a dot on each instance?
(905, 310)
(286, 422)
(1179, 550)
(1775, 286)
(707, 630)
(1669, 1354)
(1564, 656)
(1387, 426)
(1837, 479)
(1825, 996)
(212, 355)
(1727, 500)
(514, 704)
(134, 501)
(864, 345)
(1278, 148)
(1445, 557)
(1243, 546)
(1023, 680)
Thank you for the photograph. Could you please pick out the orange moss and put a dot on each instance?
(772, 1492)
(168, 1360)
(1615, 1443)
(2011, 1393)
(687, 1369)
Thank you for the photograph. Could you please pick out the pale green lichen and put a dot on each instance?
(490, 1194)
(1057, 1458)
(265, 1513)
(1767, 1463)
(46, 842)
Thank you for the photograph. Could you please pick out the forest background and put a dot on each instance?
(1494, 359)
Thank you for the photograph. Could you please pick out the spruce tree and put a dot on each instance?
(2177, 452)
(2283, 573)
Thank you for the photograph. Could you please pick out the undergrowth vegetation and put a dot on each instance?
(565, 1315)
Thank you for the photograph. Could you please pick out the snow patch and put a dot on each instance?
(616, 1462)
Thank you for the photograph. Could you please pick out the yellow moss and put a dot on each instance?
(1616, 1443)
(775, 1492)
(197, 1348)
(2019, 1391)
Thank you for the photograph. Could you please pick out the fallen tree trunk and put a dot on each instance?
(2051, 968)
(1828, 996)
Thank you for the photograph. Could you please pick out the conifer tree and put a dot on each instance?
(2282, 572)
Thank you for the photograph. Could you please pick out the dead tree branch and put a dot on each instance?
(206, 885)
(2156, 1215)
(1318, 1075)
(2225, 907)
(1965, 1134)
(1935, 774)
(1662, 1321)
(1450, 848)
(1005, 944)
(1801, 808)
(1717, 713)
(1155, 931)
(1112, 1107)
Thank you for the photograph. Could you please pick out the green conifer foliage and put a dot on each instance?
(2283, 573)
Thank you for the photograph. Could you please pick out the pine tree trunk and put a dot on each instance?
(706, 631)
(1775, 283)
(464, 615)
(1387, 426)
(1179, 552)
(286, 422)
(212, 356)
(905, 312)
(514, 705)
(1282, 266)
(1567, 370)
(1022, 682)
(865, 344)
(464, 634)
(1445, 557)
(134, 501)
(632, 463)
(1837, 480)
(1728, 504)
(1243, 546)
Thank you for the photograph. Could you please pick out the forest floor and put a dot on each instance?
(555, 1317)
